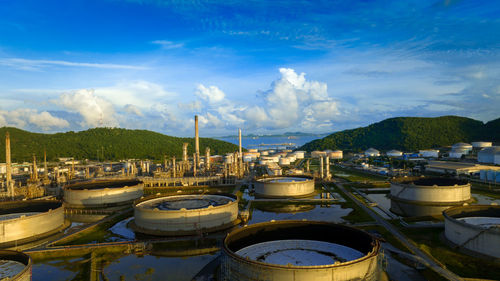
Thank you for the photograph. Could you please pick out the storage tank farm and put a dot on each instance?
(428, 196)
(474, 229)
(185, 214)
(23, 222)
(284, 186)
(299, 250)
(98, 194)
(15, 266)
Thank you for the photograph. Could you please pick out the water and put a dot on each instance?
(333, 213)
(248, 142)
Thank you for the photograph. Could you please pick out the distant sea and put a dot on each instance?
(275, 142)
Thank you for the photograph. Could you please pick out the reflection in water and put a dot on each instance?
(407, 209)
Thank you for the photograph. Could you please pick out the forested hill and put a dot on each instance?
(113, 143)
(410, 134)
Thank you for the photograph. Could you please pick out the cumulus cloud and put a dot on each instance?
(95, 111)
(24, 118)
(132, 109)
(211, 94)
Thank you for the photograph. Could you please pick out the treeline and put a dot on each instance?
(103, 144)
(410, 134)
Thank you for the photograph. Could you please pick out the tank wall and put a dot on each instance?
(284, 189)
(479, 240)
(186, 220)
(432, 193)
(101, 197)
(25, 274)
(407, 209)
(26, 227)
(233, 268)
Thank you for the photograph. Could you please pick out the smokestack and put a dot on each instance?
(35, 169)
(321, 167)
(327, 166)
(185, 152)
(196, 140)
(7, 160)
(173, 167)
(45, 169)
(239, 140)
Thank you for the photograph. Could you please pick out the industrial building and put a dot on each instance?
(300, 250)
(336, 154)
(318, 154)
(429, 153)
(475, 228)
(457, 168)
(102, 193)
(427, 196)
(481, 144)
(489, 155)
(284, 186)
(185, 214)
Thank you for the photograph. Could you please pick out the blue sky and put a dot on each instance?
(264, 66)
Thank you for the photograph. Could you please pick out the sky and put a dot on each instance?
(263, 66)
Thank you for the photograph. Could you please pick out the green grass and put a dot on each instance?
(355, 175)
(429, 240)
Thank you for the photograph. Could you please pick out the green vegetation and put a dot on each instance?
(355, 175)
(428, 240)
(409, 134)
(357, 214)
(103, 144)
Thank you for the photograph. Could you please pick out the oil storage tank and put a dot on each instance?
(299, 250)
(475, 228)
(26, 221)
(102, 194)
(427, 196)
(284, 186)
(185, 214)
(15, 266)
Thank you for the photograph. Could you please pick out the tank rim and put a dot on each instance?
(20, 255)
(372, 253)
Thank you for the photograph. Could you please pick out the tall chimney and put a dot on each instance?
(196, 140)
(321, 167)
(45, 168)
(185, 152)
(239, 141)
(173, 167)
(35, 169)
(7, 160)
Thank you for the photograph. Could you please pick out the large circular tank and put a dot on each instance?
(25, 221)
(185, 214)
(299, 250)
(15, 266)
(428, 196)
(284, 186)
(102, 193)
(475, 228)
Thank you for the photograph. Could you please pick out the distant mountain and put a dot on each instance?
(410, 134)
(287, 134)
(113, 143)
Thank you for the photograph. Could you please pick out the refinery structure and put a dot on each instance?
(254, 214)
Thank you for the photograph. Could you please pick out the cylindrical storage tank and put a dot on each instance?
(102, 193)
(428, 196)
(318, 154)
(394, 153)
(284, 161)
(475, 228)
(299, 251)
(253, 150)
(429, 153)
(247, 158)
(299, 154)
(481, 144)
(336, 154)
(462, 146)
(285, 186)
(15, 266)
(25, 221)
(372, 152)
(185, 214)
(457, 153)
(264, 153)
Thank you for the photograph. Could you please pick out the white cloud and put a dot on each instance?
(28, 64)
(96, 111)
(212, 94)
(132, 109)
(165, 44)
(24, 117)
(139, 93)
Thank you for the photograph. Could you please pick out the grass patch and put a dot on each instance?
(428, 240)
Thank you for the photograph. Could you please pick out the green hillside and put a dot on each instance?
(113, 143)
(410, 134)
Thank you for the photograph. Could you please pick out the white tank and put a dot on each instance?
(284, 186)
(429, 153)
(284, 161)
(481, 144)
